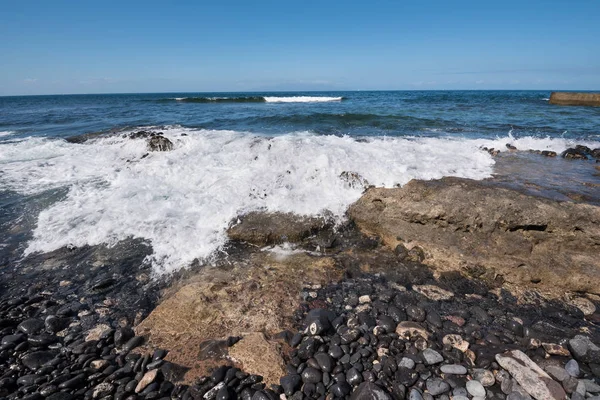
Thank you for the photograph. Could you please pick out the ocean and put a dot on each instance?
(240, 152)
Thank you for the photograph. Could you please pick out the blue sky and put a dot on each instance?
(152, 46)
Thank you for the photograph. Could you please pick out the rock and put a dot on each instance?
(122, 335)
(574, 99)
(133, 343)
(557, 373)
(475, 388)
(354, 180)
(432, 357)
(97, 332)
(311, 375)
(36, 359)
(325, 362)
(530, 376)
(55, 324)
(573, 154)
(572, 368)
(370, 391)
(290, 383)
(146, 380)
(103, 389)
(583, 349)
(437, 386)
(31, 326)
(260, 357)
(465, 222)
(548, 153)
(456, 341)
(364, 299)
(99, 364)
(591, 386)
(411, 330)
(408, 363)
(556, 349)
(453, 369)
(484, 376)
(264, 229)
(433, 292)
(159, 143)
(341, 389)
(586, 306)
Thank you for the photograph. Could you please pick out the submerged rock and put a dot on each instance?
(159, 143)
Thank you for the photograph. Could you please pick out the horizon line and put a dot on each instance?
(304, 91)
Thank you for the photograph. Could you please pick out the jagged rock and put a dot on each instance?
(354, 180)
(264, 229)
(503, 232)
(433, 292)
(159, 143)
(530, 376)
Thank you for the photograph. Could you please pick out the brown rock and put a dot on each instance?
(456, 341)
(258, 356)
(259, 294)
(147, 379)
(409, 329)
(556, 349)
(433, 292)
(575, 99)
(264, 229)
(461, 222)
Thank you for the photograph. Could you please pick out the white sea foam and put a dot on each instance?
(301, 99)
(6, 133)
(183, 200)
(179, 98)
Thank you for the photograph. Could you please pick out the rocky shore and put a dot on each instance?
(447, 289)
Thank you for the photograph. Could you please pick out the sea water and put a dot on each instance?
(240, 152)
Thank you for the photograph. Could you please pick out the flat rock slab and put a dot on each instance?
(530, 376)
(258, 356)
(462, 224)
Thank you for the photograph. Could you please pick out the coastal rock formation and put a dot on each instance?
(264, 229)
(255, 297)
(575, 99)
(489, 231)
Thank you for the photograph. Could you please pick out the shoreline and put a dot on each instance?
(252, 299)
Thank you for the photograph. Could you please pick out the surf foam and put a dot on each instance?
(301, 99)
(182, 201)
(6, 133)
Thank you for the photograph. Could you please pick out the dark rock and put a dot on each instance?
(35, 360)
(290, 383)
(324, 361)
(370, 391)
(31, 326)
(55, 324)
(159, 143)
(133, 343)
(311, 375)
(341, 389)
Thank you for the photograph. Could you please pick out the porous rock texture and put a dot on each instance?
(473, 226)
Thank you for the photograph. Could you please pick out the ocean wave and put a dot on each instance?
(182, 201)
(253, 99)
(6, 133)
(301, 99)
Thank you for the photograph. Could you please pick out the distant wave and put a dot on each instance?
(6, 133)
(301, 99)
(253, 99)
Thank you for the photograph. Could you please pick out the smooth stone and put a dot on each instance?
(370, 391)
(557, 373)
(37, 359)
(437, 386)
(341, 389)
(484, 376)
(336, 352)
(475, 388)
(530, 376)
(454, 369)
(407, 363)
(133, 343)
(415, 395)
(31, 326)
(432, 357)
(325, 361)
(353, 377)
(311, 375)
(146, 380)
(290, 383)
(572, 368)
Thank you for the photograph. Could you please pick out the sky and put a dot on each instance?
(55, 47)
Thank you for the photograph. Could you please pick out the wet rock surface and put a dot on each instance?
(490, 232)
